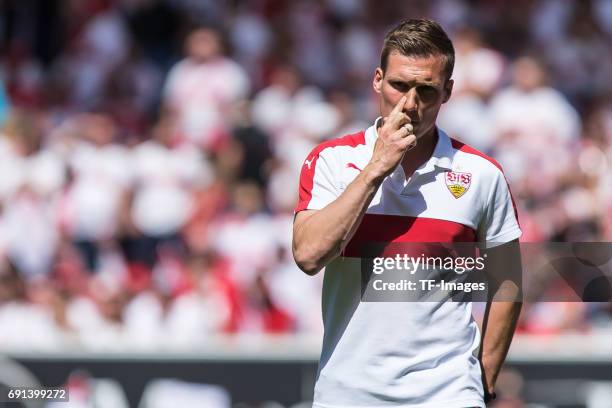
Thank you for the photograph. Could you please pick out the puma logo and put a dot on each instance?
(308, 163)
(353, 166)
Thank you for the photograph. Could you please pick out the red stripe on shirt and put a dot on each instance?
(308, 172)
(470, 150)
(390, 229)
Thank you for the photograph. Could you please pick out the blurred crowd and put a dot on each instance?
(150, 151)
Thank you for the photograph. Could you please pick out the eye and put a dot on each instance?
(400, 86)
(427, 92)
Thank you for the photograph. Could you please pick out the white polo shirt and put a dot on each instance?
(404, 354)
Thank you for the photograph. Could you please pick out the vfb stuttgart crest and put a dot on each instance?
(458, 183)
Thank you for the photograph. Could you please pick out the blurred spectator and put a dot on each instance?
(90, 57)
(540, 110)
(535, 127)
(244, 235)
(478, 74)
(255, 146)
(133, 91)
(295, 292)
(276, 106)
(573, 41)
(31, 178)
(252, 40)
(262, 313)
(165, 172)
(313, 42)
(202, 88)
(101, 177)
(196, 301)
(30, 325)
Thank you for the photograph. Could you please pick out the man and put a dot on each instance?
(202, 88)
(390, 184)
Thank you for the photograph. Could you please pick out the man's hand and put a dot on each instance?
(502, 310)
(395, 138)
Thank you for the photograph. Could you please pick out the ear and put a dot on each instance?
(448, 90)
(377, 81)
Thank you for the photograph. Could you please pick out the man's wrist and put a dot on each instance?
(489, 376)
(372, 175)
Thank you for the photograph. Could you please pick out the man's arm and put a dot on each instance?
(320, 235)
(502, 311)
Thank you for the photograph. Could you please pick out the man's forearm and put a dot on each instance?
(319, 236)
(323, 235)
(498, 329)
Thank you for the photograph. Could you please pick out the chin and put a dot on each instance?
(420, 131)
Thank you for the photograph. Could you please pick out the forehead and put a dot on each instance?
(203, 35)
(414, 68)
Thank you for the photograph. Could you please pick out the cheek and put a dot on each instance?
(429, 111)
(390, 96)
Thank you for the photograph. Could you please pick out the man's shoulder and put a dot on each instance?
(182, 65)
(328, 147)
(475, 158)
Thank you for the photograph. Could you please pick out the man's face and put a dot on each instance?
(422, 80)
(203, 45)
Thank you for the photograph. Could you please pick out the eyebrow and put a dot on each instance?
(417, 83)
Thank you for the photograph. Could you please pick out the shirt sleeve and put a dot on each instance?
(500, 219)
(317, 187)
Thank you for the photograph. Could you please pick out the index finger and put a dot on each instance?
(400, 105)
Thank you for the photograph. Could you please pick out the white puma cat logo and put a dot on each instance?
(308, 163)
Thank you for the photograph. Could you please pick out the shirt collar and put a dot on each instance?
(443, 152)
(442, 155)
(371, 133)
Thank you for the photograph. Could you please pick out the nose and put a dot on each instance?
(411, 104)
